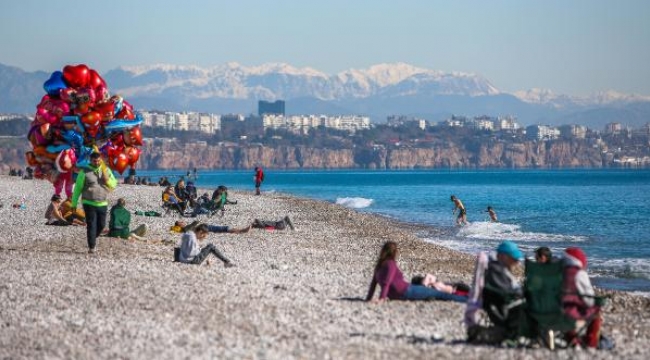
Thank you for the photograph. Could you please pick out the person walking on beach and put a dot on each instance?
(462, 213)
(492, 214)
(94, 184)
(191, 253)
(259, 178)
(392, 283)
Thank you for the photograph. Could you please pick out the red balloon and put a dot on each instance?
(68, 94)
(106, 110)
(133, 154)
(94, 80)
(91, 121)
(66, 160)
(119, 163)
(76, 76)
(133, 136)
(125, 113)
(102, 94)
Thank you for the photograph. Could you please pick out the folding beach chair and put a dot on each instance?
(543, 292)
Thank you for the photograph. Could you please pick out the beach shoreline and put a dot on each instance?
(293, 294)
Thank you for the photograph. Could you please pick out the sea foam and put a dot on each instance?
(354, 202)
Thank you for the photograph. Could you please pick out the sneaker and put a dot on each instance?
(92, 251)
(104, 232)
(288, 220)
(229, 265)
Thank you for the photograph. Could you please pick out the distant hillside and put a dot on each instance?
(379, 91)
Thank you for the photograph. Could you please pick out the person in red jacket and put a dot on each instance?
(259, 177)
(579, 296)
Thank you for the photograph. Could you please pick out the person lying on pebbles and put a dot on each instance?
(392, 283)
(181, 227)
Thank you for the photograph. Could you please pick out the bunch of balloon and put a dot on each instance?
(78, 116)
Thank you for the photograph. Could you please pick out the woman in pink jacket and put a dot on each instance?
(392, 283)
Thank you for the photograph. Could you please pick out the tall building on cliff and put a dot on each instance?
(270, 108)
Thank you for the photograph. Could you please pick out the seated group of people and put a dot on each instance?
(184, 199)
(495, 271)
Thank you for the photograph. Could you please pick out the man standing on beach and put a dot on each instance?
(93, 184)
(462, 214)
(259, 177)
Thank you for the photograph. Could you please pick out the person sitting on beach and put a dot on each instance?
(492, 214)
(192, 253)
(274, 225)
(120, 220)
(181, 191)
(182, 226)
(71, 214)
(432, 281)
(163, 181)
(170, 199)
(54, 215)
(392, 283)
(579, 297)
(501, 296)
(543, 255)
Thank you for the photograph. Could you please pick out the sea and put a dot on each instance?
(605, 212)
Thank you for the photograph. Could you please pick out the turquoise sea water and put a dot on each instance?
(606, 212)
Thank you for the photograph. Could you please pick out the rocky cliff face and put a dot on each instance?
(498, 155)
(172, 155)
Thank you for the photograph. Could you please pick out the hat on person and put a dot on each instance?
(510, 248)
(577, 254)
(56, 197)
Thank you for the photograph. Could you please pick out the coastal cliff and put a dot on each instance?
(176, 155)
(569, 154)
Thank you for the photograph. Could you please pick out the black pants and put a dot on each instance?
(263, 224)
(207, 250)
(95, 223)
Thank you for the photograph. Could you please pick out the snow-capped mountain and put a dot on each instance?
(378, 91)
(283, 81)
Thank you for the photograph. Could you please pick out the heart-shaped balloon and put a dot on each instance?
(45, 117)
(105, 109)
(119, 163)
(133, 136)
(54, 84)
(76, 76)
(39, 134)
(91, 121)
(125, 113)
(94, 80)
(133, 154)
(65, 161)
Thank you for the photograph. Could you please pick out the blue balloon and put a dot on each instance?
(53, 149)
(122, 124)
(73, 138)
(54, 84)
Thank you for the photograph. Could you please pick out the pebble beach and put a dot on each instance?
(292, 294)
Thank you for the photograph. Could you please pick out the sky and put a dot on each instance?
(577, 47)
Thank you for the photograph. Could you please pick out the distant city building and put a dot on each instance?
(507, 123)
(482, 123)
(455, 121)
(613, 128)
(542, 132)
(271, 108)
(573, 131)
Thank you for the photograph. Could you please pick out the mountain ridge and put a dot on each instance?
(380, 90)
